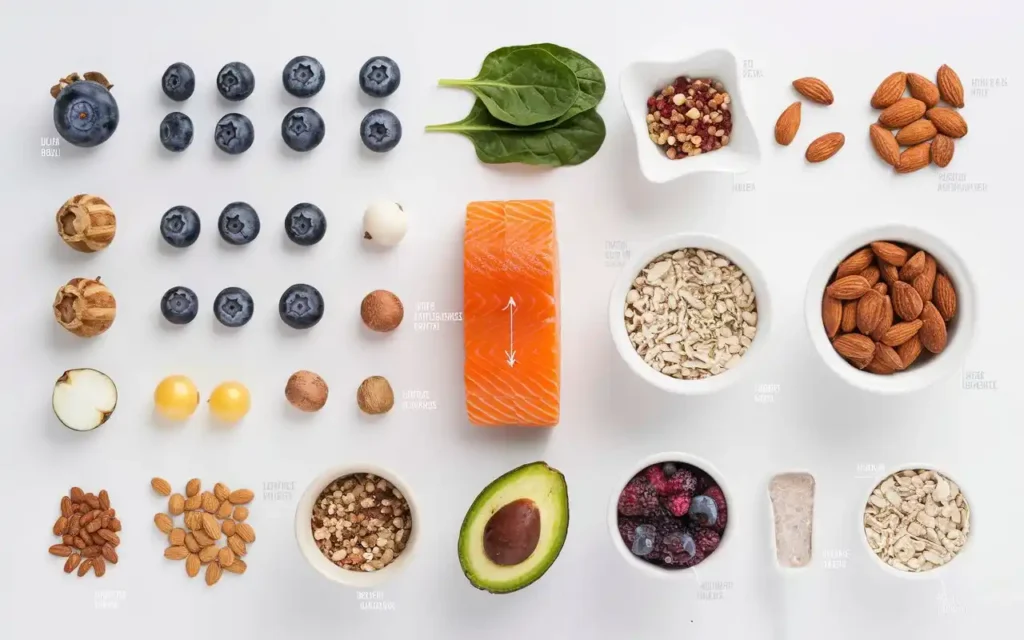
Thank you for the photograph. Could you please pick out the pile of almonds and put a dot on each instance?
(88, 528)
(885, 303)
(209, 518)
(925, 130)
(823, 147)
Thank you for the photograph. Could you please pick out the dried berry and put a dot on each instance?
(639, 498)
(690, 117)
(707, 540)
(678, 504)
(715, 493)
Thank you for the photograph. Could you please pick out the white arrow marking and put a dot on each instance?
(511, 353)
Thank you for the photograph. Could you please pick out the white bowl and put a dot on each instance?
(937, 572)
(620, 336)
(928, 368)
(640, 80)
(652, 570)
(312, 553)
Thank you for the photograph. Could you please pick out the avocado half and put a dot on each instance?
(515, 529)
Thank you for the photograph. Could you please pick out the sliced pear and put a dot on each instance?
(84, 399)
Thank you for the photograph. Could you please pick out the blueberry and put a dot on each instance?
(643, 544)
(301, 306)
(180, 226)
(703, 511)
(303, 76)
(681, 544)
(303, 129)
(669, 469)
(238, 223)
(178, 82)
(85, 113)
(235, 81)
(380, 76)
(305, 224)
(179, 305)
(380, 130)
(234, 133)
(233, 307)
(176, 131)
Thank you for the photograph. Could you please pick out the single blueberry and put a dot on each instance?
(235, 81)
(380, 130)
(669, 469)
(85, 113)
(178, 82)
(179, 226)
(305, 224)
(234, 134)
(681, 544)
(176, 131)
(703, 511)
(238, 223)
(179, 305)
(379, 76)
(303, 76)
(303, 129)
(643, 544)
(301, 306)
(233, 307)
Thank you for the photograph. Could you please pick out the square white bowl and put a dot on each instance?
(640, 80)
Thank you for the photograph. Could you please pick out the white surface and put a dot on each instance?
(610, 418)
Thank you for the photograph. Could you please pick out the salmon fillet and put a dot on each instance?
(511, 315)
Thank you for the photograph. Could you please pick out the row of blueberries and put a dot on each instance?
(301, 306)
(303, 129)
(305, 224)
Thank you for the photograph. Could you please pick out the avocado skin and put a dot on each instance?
(464, 545)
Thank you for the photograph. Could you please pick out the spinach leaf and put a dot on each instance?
(572, 142)
(523, 86)
(588, 74)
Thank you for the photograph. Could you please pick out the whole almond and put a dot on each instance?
(191, 543)
(238, 566)
(161, 486)
(224, 511)
(176, 504)
(848, 322)
(109, 537)
(72, 562)
(890, 273)
(241, 496)
(194, 503)
(68, 539)
(61, 550)
(228, 526)
(240, 514)
(87, 518)
(886, 322)
(92, 500)
(84, 567)
(916, 132)
(888, 356)
(211, 527)
(913, 267)
(942, 150)
(881, 288)
(925, 282)
(914, 158)
(871, 274)
(880, 367)
(94, 526)
(177, 537)
(99, 566)
(66, 507)
(192, 565)
(848, 287)
(933, 331)
(246, 532)
(237, 545)
(788, 124)
(890, 253)
(950, 87)
(944, 297)
(61, 526)
(901, 113)
(909, 351)
(891, 90)
(901, 332)
(104, 499)
(906, 301)
(92, 551)
(814, 89)
(84, 535)
(885, 144)
(856, 262)
(109, 553)
(221, 491)
(193, 487)
(824, 147)
(208, 554)
(831, 316)
(80, 542)
(225, 557)
(947, 121)
(210, 502)
(213, 573)
(203, 539)
(855, 348)
(870, 309)
(194, 520)
(176, 553)
(163, 522)
(923, 89)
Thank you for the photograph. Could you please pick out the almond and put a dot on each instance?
(914, 158)
(871, 274)
(224, 511)
(177, 537)
(881, 288)
(241, 496)
(84, 567)
(163, 523)
(948, 122)
(916, 132)
(788, 124)
(238, 566)
(104, 499)
(831, 316)
(849, 320)
(923, 89)
(92, 551)
(175, 553)
(856, 262)
(210, 502)
(192, 565)
(890, 253)
(914, 267)
(213, 573)
(176, 504)
(209, 554)
(61, 550)
(72, 562)
(225, 557)
(161, 486)
(246, 532)
(890, 90)
(942, 150)
(814, 89)
(856, 348)
(925, 282)
(109, 537)
(203, 539)
(887, 357)
(240, 514)
(848, 287)
(193, 487)
(191, 543)
(194, 503)
(825, 147)
(944, 297)
(109, 553)
(906, 301)
(885, 144)
(909, 351)
(886, 322)
(890, 273)
(211, 527)
(237, 545)
(194, 520)
(933, 331)
(901, 332)
(221, 491)
(901, 113)
(870, 309)
(950, 87)
(61, 526)
(228, 526)
(99, 566)
(876, 366)
(66, 507)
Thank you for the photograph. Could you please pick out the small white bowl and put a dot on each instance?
(929, 368)
(937, 572)
(312, 553)
(617, 305)
(652, 570)
(640, 80)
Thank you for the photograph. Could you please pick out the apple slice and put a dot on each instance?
(83, 399)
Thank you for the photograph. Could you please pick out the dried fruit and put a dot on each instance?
(942, 150)
(914, 158)
(86, 223)
(947, 121)
(831, 314)
(814, 89)
(906, 301)
(375, 395)
(161, 486)
(916, 132)
(890, 90)
(944, 297)
(856, 348)
(950, 87)
(885, 144)
(241, 496)
(901, 113)
(825, 147)
(85, 307)
(923, 89)
(901, 332)
(890, 253)
(933, 331)
(848, 288)
(788, 124)
(870, 310)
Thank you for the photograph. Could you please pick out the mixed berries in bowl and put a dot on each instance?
(670, 515)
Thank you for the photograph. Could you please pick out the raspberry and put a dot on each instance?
(682, 481)
(638, 498)
(659, 103)
(650, 102)
(706, 540)
(715, 493)
(657, 478)
(678, 504)
(666, 112)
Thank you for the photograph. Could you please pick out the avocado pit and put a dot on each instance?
(512, 533)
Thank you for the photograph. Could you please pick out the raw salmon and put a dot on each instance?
(511, 315)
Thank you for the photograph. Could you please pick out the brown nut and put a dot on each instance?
(382, 311)
(375, 395)
(306, 391)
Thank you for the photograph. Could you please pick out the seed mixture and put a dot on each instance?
(361, 522)
(691, 314)
(690, 117)
(88, 527)
(916, 520)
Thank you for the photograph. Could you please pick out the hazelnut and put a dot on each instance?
(85, 307)
(382, 311)
(86, 223)
(375, 395)
(306, 391)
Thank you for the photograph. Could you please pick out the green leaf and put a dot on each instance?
(572, 142)
(588, 75)
(523, 86)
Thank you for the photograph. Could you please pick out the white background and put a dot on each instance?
(609, 419)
